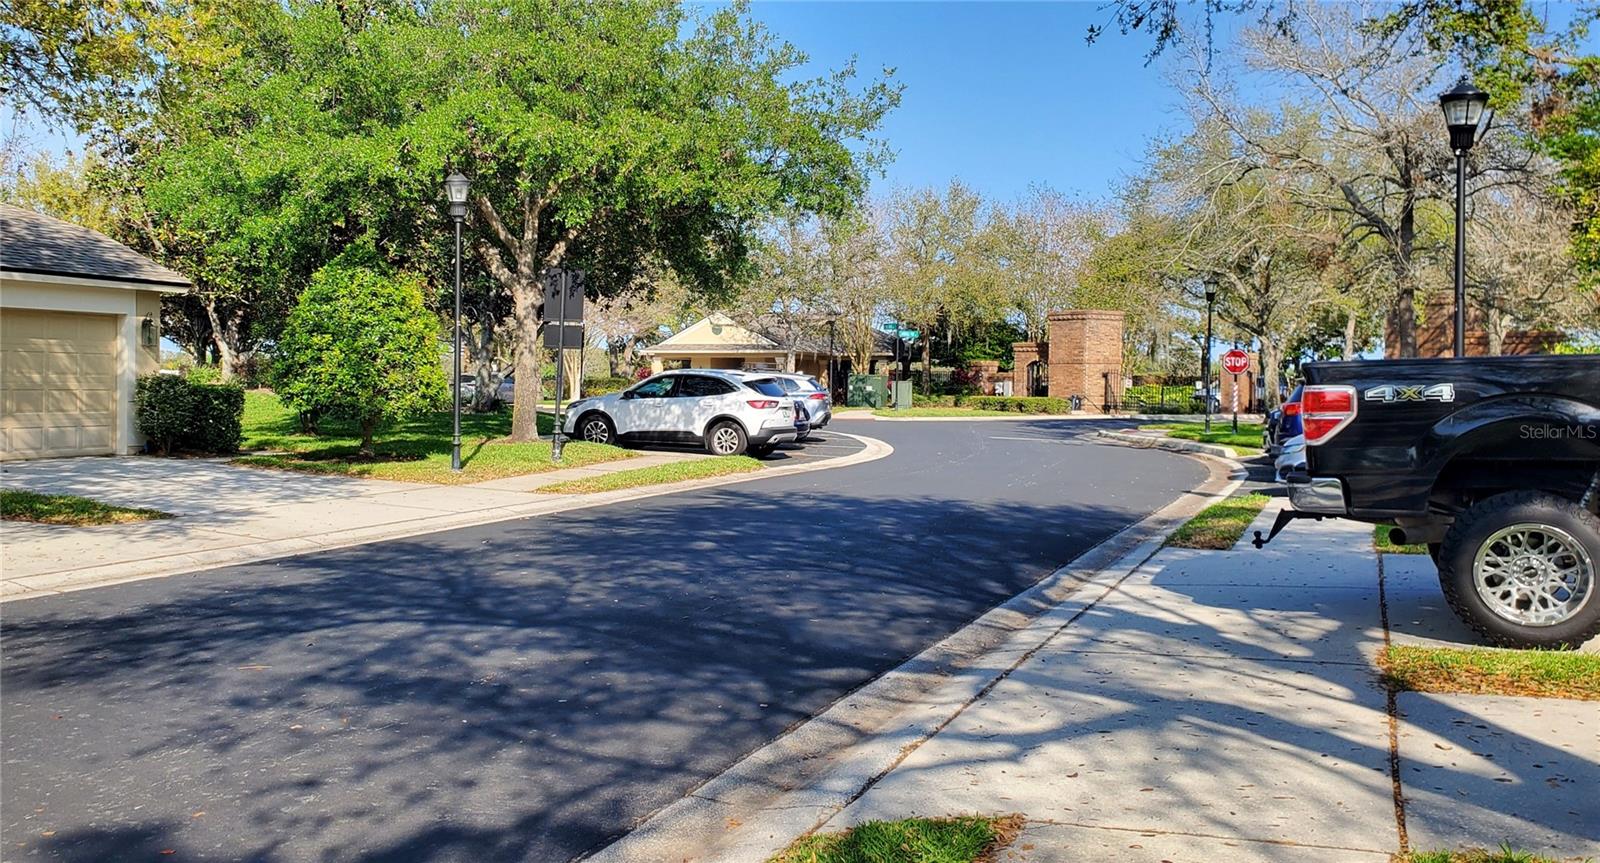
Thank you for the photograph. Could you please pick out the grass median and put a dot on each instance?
(413, 451)
(1247, 440)
(963, 839)
(1219, 525)
(1480, 671)
(19, 505)
(1505, 854)
(700, 468)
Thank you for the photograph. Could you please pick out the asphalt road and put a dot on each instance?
(523, 690)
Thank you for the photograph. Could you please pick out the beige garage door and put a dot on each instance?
(58, 384)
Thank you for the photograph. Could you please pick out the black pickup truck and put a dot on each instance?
(1493, 463)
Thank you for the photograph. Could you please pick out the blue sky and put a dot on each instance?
(1001, 95)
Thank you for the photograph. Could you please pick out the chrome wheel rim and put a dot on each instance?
(725, 440)
(1533, 574)
(595, 431)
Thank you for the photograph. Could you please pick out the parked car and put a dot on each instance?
(1493, 463)
(1281, 424)
(727, 412)
(813, 397)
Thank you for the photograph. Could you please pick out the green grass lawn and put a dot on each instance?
(1380, 541)
(413, 451)
(1504, 855)
(18, 505)
(699, 468)
(948, 412)
(964, 839)
(1475, 670)
(1219, 525)
(1247, 441)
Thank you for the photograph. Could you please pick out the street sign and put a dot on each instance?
(910, 335)
(889, 328)
(563, 294)
(1235, 362)
(558, 336)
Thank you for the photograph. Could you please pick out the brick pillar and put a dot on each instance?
(987, 372)
(1026, 354)
(1086, 357)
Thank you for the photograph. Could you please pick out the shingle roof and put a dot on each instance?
(34, 243)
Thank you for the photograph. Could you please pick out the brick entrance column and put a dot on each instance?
(1086, 357)
(1025, 354)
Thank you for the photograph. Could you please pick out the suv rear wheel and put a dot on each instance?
(1520, 568)
(725, 438)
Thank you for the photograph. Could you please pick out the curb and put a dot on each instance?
(19, 589)
(751, 811)
(1175, 444)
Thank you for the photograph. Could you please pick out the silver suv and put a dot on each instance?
(810, 392)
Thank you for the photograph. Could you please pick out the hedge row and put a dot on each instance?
(1019, 404)
(176, 414)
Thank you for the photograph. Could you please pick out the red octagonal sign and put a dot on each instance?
(1236, 361)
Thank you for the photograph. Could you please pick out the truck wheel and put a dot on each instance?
(1520, 568)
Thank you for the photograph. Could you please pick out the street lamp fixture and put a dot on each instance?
(1467, 115)
(456, 188)
(1205, 355)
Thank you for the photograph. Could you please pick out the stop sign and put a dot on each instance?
(1236, 361)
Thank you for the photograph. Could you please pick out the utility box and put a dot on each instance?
(902, 395)
(867, 391)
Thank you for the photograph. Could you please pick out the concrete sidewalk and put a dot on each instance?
(226, 514)
(1224, 706)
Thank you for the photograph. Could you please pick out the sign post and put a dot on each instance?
(563, 293)
(1235, 362)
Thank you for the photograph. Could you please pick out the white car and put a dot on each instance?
(727, 412)
(809, 391)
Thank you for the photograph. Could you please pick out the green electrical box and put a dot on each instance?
(902, 395)
(867, 391)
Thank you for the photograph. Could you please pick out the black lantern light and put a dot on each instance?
(1467, 114)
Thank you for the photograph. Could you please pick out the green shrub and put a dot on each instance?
(177, 414)
(217, 423)
(204, 375)
(604, 386)
(1019, 404)
(163, 406)
(360, 345)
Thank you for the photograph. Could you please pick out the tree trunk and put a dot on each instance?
(1404, 315)
(1271, 372)
(369, 426)
(529, 388)
(927, 365)
(1349, 336)
(219, 339)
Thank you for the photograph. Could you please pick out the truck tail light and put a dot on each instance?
(762, 404)
(1327, 410)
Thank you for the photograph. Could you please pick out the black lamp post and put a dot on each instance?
(1467, 114)
(1205, 354)
(455, 191)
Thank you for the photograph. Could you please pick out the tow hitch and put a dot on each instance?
(1284, 517)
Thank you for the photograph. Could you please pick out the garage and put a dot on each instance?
(79, 323)
(58, 383)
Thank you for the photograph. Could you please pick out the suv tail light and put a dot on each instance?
(817, 397)
(1291, 409)
(1327, 410)
(762, 404)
